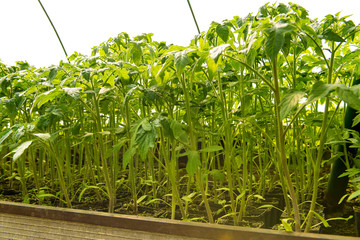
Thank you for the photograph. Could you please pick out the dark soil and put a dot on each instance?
(255, 217)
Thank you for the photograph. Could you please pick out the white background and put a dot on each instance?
(27, 35)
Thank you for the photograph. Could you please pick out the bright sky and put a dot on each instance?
(82, 24)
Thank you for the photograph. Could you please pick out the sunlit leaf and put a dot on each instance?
(289, 102)
(276, 38)
(347, 95)
(20, 149)
(136, 52)
(217, 51)
(43, 136)
(181, 59)
(4, 135)
(178, 131)
(193, 162)
(330, 35)
(223, 31)
(52, 74)
(73, 92)
(104, 90)
(128, 156)
(356, 121)
(320, 90)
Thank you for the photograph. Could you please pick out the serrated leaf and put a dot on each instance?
(223, 31)
(276, 38)
(45, 97)
(212, 68)
(320, 90)
(178, 131)
(86, 74)
(347, 95)
(330, 35)
(73, 92)
(52, 74)
(20, 149)
(217, 175)
(217, 51)
(181, 59)
(145, 124)
(136, 53)
(289, 102)
(145, 138)
(128, 155)
(356, 121)
(193, 162)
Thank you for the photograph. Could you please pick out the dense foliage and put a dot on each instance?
(251, 104)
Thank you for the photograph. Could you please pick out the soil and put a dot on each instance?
(255, 217)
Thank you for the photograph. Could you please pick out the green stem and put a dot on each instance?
(62, 45)
(193, 147)
(192, 13)
(282, 151)
(324, 128)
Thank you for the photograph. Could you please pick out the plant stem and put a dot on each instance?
(192, 12)
(324, 128)
(62, 45)
(282, 151)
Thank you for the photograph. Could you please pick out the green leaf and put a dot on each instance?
(212, 68)
(330, 35)
(43, 136)
(128, 156)
(217, 51)
(213, 148)
(217, 175)
(145, 124)
(86, 74)
(73, 92)
(347, 95)
(52, 74)
(181, 59)
(276, 38)
(356, 121)
(4, 135)
(289, 102)
(20, 149)
(136, 53)
(166, 126)
(140, 199)
(223, 31)
(193, 162)
(87, 188)
(354, 195)
(326, 224)
(178, 131)
(320, 90)
(145, 138)
(286, 225)
(104, 90)
(45, 97)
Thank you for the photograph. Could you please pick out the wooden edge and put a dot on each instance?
(155, 225)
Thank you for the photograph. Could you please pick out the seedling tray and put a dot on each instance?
(25, 221)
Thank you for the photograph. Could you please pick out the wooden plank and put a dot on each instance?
(80, 222)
